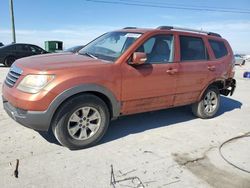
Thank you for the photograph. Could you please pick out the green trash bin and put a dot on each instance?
(53, 46)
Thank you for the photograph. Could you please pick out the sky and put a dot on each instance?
(77, 22)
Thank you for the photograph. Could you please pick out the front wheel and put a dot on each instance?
(9, 61)
(81, 122)
(209, 104)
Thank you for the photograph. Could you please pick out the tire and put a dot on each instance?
(72, 124)
(9, 61)
(209, 104)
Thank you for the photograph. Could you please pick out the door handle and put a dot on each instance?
(172, 71)
(211, 68)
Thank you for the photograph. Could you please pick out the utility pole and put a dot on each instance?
(12, 21)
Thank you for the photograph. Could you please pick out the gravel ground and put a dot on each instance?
(167, 148)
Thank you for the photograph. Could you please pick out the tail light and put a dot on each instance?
(233, 61)
(233, 64)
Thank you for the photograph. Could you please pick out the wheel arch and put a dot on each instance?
(103, 93)
(8, 56)
(219, 83)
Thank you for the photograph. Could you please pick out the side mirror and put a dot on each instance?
(139, 58)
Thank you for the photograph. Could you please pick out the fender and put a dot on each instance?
(41, 120)
(115, 104)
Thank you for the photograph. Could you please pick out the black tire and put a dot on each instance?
(9, 61)
(200, 109)
(60, 124)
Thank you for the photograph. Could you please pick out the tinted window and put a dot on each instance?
(159, 49)
(192, 48)
(19, 48)
(38, 50)
(11, 48)
(26, 48)
(219, 48)
(35, 49)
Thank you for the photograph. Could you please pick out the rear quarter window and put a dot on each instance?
(218, 48)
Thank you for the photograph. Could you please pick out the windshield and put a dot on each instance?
(110, 46)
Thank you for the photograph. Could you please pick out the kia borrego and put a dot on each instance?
(123, 72)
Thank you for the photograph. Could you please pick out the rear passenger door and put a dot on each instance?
(19, 53)
(193, 69)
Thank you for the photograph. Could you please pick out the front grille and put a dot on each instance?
(13, 76)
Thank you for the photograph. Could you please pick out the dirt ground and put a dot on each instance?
(167, 148)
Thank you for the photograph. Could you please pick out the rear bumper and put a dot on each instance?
(37, 120)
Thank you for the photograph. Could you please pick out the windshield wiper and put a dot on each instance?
(89, 54)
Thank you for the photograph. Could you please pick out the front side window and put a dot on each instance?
(26, 48)
(192, 49)
(110, 46)
(218, 48)
(36, 49)
(33, 49)
(159, 49)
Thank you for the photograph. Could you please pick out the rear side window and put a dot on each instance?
(192, 49)
(10, 48)
(219, 48)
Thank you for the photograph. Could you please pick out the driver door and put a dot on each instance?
(152, 85)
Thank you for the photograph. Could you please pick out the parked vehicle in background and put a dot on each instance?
(239, 60)
(123, 72)
(1, 44)
(74, 49)
(12, 52)
(247, 57)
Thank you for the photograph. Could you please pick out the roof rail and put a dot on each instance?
(214, 34)
(187, 29)
(130, 28)
(165, 27)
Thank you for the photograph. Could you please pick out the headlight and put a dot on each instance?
(34, 83)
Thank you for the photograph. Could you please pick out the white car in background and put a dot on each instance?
(239, 60)
(246, 57)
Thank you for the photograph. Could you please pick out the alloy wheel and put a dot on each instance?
(84, 123)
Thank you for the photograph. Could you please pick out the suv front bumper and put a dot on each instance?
(37, 120)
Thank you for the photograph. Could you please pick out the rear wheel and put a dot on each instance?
(209, 104)
(9, 61)
(81, 122)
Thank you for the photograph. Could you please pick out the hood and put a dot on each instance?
(56, 61)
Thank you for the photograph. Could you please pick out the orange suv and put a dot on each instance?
(128, 71)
